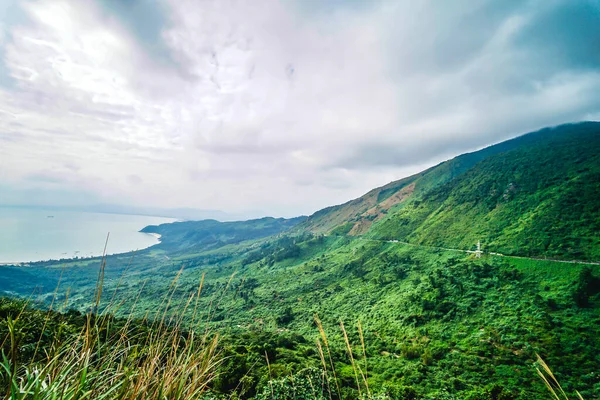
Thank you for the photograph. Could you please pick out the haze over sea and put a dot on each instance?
(36, 234)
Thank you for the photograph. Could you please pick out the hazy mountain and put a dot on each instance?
(533, 195)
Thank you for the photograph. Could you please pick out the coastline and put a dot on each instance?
(156, 235)
(70, 235)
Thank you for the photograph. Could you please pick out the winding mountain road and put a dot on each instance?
(482, 252)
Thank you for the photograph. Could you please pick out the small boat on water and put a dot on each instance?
(50, 216)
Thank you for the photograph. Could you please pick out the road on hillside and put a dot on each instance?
(482, 252)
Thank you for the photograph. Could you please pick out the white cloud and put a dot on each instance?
(264, 105)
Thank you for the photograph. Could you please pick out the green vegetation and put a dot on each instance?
(212, 234)
(49, 355)
(533, 200)
(338, 306)
(533, 196)
(433, 322)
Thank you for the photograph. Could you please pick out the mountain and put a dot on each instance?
(212, 234)
(535, 195)
(388, 279)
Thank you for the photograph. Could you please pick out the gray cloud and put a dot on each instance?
(284, 106)
(495, 70)
(567, 34)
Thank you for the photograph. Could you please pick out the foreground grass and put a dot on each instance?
(164, 365)
(107, 358)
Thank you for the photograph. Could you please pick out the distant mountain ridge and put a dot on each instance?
(210, 233)
(532, 195)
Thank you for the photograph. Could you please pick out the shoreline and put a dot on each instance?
(83, 256)
(71, 259)
(156, 235)
(68, 259)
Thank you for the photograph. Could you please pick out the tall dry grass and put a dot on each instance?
(162, 361)
(551, 382)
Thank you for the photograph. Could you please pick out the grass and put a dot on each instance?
(551, 382)
(155, 359)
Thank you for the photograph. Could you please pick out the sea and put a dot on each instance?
(28, 234)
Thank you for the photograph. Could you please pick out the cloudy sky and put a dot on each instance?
(274, 106)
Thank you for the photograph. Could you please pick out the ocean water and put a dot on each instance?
(35, 235)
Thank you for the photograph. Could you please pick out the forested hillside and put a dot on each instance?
(366, 299)
(535, 195)
(213, 234)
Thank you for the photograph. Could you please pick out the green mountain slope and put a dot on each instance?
(356, 216)
(436, 323)
(538, 199)
(535, 195)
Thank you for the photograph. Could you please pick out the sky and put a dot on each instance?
(274, 107)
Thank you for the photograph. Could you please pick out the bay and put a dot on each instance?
(36, 235)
